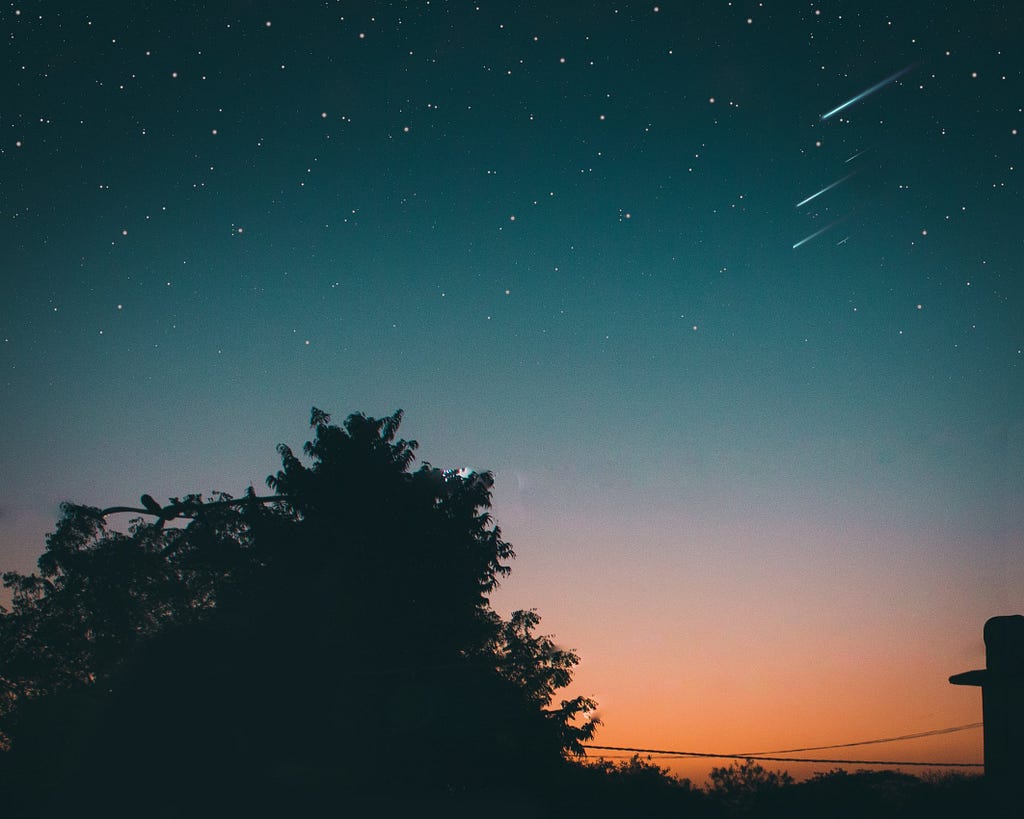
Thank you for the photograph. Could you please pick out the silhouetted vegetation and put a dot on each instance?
(848, 795)
(638, 787)
(333, 645)
(634, 787)
(742, 786)
(331, 649)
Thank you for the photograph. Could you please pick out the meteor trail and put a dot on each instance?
(816, 233)
(859, 153)
(823, 190)
(877, 86)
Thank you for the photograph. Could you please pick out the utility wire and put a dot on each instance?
(889, 762)
(933, 733)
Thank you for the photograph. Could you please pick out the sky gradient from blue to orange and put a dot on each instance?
(770, 494)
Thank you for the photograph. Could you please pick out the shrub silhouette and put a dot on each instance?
(637, 787)
(740, 787)
(882, 794)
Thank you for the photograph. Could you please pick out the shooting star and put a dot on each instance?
(823, 190)
(859, 153)
(843, 241)
(876, 87)
(816, 234)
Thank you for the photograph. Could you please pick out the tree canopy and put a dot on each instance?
(335, 638)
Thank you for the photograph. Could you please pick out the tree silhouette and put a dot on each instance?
(334, 642)
(99, 595)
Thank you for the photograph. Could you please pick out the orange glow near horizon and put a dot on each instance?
(772, 717)
(721, 640)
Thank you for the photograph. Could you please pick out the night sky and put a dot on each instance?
(770, 489)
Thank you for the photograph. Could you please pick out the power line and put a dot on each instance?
(663, 752)
(772, 756)
(919, 735)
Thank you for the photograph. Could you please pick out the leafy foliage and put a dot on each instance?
(295, 642)
(638, 770)
(637, 787)
(740, 786)
(100, 594)
(539, 668)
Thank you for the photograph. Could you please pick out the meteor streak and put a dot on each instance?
(876, 87)
(816, 234)
(823, 190)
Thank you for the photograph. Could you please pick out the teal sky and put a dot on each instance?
(562, 240)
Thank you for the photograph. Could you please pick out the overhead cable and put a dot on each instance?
(695, 754)
(919, 735)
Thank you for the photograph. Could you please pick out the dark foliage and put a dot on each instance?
(332, 647)
(743, 786)
(888, 794)
(636, 787)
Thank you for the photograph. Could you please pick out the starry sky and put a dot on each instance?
(750, 373)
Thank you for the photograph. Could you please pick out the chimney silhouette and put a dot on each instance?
(1002, 703)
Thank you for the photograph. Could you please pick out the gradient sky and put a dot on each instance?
(769, 493)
